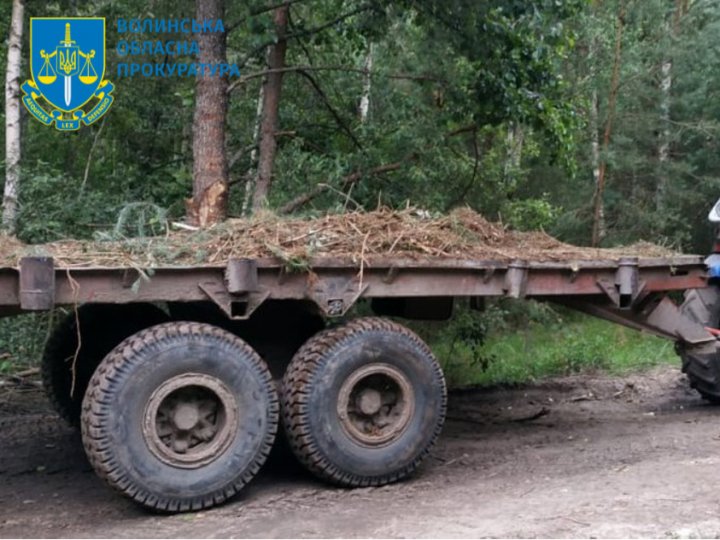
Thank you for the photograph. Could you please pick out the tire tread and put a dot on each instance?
(701, 363)
(96, 412)
(295, 413)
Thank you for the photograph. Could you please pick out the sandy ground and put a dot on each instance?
(582, 456)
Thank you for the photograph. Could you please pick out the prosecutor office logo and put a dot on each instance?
(67, 62)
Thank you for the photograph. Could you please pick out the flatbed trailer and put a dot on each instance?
(172, 372)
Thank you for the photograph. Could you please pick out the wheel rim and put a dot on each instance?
(375, 404)
(190, 420)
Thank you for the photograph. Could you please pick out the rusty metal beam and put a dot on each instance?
(334, 285)
(660, 317)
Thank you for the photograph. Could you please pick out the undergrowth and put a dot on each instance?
(511, 343)
(21, 341)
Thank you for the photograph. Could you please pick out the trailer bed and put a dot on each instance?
(334, 284)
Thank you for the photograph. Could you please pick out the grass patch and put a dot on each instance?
(573, 344)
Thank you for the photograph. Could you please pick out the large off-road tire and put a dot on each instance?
(701, 363)
(363, 403)
(180, 416)
(102, 327)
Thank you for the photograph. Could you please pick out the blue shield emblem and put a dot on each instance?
(67, 62)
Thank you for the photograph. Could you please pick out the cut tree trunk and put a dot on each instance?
(12, 119)
(267, 147)
(208, 204)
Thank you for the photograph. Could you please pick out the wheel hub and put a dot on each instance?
(375, 404)
(369, 401)
(190, 420)
(186, 416)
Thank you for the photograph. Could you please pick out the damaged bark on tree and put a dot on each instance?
(208, 204)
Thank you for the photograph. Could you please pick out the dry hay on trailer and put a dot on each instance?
(356, 236)
(10, 247)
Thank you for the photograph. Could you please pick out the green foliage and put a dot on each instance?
(529, 214)
(486, 104)
(54, 205)
(21, 341)
(635, 208)
(138, 220)
(542, 343)
(482, 104)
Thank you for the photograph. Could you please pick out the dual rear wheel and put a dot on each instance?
(363, 403)
(181, 415)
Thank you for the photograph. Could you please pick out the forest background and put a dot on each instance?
(597, 121)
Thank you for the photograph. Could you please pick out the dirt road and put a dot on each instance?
(580, 456)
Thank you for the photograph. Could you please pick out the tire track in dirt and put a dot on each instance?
(610, 457)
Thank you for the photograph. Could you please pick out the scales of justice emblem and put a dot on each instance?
(67, 62)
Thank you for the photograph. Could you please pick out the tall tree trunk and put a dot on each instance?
(364, 108)
(271, 108)
(666, 81)
(251, 173)
(514, 143)
(664, 145)
(12, 119)
(210, 171)
(595, 156)
(598, 210)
